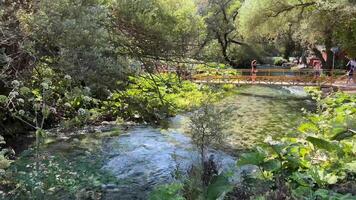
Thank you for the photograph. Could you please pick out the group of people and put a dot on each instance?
(351, 67)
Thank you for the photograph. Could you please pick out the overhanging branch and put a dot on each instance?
(291, 7)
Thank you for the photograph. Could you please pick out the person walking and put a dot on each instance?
(351, 66)
(317, 70)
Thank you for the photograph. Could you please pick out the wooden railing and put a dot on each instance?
(268, 76)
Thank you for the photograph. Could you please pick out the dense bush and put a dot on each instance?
(152, 98)
(57, 177)
(213, 69)
(54, 96)
(77, 39)
(279, 61)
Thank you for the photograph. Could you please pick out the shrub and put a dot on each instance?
(59, 177)
(319, 156)
(167, 192)
(279, 61)
(155, 98)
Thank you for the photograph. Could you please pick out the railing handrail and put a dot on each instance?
(268, 70)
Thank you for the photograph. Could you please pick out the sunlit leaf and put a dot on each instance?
(321, 143)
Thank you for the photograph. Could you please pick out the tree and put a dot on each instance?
(74, 37)
(220, 20)
(14, 58)
(346, 32)
(223, 41)
(313, 22)
(207, 127)
(157, 29)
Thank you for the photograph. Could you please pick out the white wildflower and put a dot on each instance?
(87, 89)
(21, 101)
(13, 94)
(45, 85)
(15, 83)
(67, 77)
(37, 106)
(269, 140)
(21, 112)
(53, 110)
(86, 98)
(81, 111)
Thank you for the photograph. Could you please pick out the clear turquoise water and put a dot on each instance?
(143, 157)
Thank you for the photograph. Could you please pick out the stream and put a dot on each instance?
(143, 156)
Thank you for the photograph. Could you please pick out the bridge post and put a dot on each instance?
(335, 50)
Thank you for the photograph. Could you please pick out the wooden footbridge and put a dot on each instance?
(282, 77)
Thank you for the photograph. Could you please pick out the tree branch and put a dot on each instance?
(292, 7)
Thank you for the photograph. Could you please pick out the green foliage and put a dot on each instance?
(321, 155)
(4, 160)
(345, 32)
(53, 94)
(3, 99)
(167, 192)
(222, 36)
(76, 38)
(5, 163)
(158, 28)
(254, 158)
(279, 61)
(218, 188)
(60, 177)
(273, 18)
(207, 127)
(191, 189)
(215, 70)
(15, 60)
(152, 98)
(320, 22)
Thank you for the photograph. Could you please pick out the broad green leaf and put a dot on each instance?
(324, 194)
(219, 188)
(303, 192)
(253, 158)
(351, 167)
(169, 192)
(301, 179)
(344, 134)
(321, 143)
(321, 177)
(3, 99)
(308, 128)
(272, 165)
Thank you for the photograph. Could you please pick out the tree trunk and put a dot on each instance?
(329, 54)
(319, 55)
